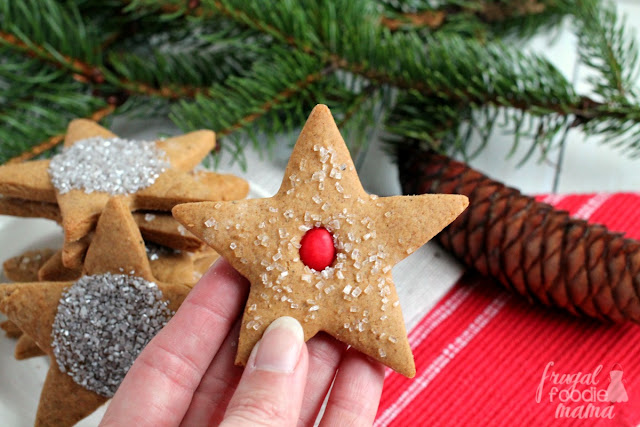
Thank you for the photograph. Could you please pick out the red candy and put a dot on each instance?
(316, 249)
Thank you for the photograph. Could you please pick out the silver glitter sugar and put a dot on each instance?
(102, 324)
(156, 251)
(109, 165)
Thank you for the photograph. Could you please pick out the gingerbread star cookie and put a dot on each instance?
(156, 227)
(10, 329)
(24, 267)
(322, 249)
(163, 229)
(29, 208)
(92, 329)
(96, 165)
(167, 265)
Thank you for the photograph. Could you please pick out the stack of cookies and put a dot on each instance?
(321, 250)
(125, 263)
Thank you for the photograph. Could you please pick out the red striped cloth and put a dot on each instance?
(481, 353)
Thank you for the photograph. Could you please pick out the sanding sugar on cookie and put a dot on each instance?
(96, 164)
(321, 250)
(94, 327)
(109, 165)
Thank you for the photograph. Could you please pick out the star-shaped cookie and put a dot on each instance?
(80, 208)
(352, 296)
(46, 265)
(156, 227)
(117, 249)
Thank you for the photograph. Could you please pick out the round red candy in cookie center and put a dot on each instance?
(316, 249)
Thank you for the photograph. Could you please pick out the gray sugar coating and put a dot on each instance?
(108, 165)
(102, 324)
(156, 251)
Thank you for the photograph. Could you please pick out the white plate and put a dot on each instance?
(21, 381)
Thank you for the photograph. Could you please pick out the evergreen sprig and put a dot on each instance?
(37, 102)
(470, 18)
(286, 81)
(605, 46)
(436, 71)
(50, 31)
(180, 65)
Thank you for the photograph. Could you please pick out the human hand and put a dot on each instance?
(186, 376)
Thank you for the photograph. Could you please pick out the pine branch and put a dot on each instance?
(476, 19)
(183, 66)
(170, 9)
(357, 105)
(404, 17)
(39, 29)
(425, 69)
(75, 50)
(84, 72)
(53, 141)
(432, 19)
(432, 121)
(144, 55)
(87, 73)
(37, 102)
(605, 45)
(183, 59)
(450, 128)
(361, 115)
(251, 99)
(268, 105)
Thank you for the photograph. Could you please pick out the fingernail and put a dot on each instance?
(279, 348)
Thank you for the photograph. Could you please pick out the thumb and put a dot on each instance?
(272, 385)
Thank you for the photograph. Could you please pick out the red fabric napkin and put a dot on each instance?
(485, 356)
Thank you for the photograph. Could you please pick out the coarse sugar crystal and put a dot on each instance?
(107, 165)
(102, 324)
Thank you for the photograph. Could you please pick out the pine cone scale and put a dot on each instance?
(552, 264)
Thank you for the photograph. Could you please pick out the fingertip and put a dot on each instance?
(280, 348)
(221, 269)
(356, 391)
(272, 386)
(365, 366)
(376, 368)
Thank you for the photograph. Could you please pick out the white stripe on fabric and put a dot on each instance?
(553, 199)
(435, 317)
(591, 205)
(447, 355)
(439, 315)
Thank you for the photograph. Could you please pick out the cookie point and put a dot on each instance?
(76, 122)
(316, 249)
(320, 109)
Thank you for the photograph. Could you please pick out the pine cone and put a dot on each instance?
(529, 246)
